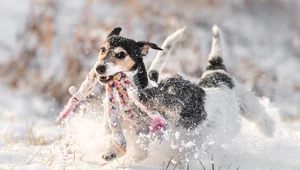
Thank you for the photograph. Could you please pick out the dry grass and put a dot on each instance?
(179, 165)
(40, 29)
(32, 139)
(50, 160)
(32, 158)
(86, 39)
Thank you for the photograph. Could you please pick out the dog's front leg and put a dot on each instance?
(116, 143)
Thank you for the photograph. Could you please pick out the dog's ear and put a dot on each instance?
(115, 31)
(145, 45)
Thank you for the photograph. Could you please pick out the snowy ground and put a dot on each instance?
(30, 141)
(263, 41)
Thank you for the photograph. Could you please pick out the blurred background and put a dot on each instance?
(48, 45)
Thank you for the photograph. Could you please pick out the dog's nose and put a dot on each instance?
(101, 69)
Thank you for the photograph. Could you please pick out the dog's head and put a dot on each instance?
(120, 54)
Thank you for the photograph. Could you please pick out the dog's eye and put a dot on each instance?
(121, 55)
(102, 50)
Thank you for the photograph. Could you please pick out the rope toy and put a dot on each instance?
(119, 86)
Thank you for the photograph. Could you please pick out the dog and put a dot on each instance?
(216, 97)
(119, 54)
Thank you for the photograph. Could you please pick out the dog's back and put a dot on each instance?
(188, 104)
(217, 98)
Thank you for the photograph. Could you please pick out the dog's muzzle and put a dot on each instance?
(101, 69)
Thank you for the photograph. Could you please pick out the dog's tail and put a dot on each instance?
(215, 58)
(162, 56)
(253, 110)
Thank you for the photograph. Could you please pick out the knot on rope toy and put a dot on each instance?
(120, 84)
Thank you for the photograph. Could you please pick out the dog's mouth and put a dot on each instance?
(105, 79)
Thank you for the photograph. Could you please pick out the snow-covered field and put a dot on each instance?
(263, 52)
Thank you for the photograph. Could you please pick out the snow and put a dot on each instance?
(177, 135)
(262, 41)
(84, 135)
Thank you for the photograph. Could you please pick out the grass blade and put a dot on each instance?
(34, 156)
(169, 163)
(177, 164)
(212, 163)
(201, 164)
(229, 166)
(222, 162)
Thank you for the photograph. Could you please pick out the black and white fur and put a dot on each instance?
(132, 52)
(217, 99)
(239, 98)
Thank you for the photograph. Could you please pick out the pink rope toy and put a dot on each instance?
(119, 86)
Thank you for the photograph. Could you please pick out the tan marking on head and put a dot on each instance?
(126, 64)
(101, 55)
(119, 49)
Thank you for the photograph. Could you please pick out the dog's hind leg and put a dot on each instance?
(254, 111)
(162, 56)
(249, 104)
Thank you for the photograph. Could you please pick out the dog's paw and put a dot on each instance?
(109, 156)
(140, 151)
(267, 126)
(114, 152)
(138, 157)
